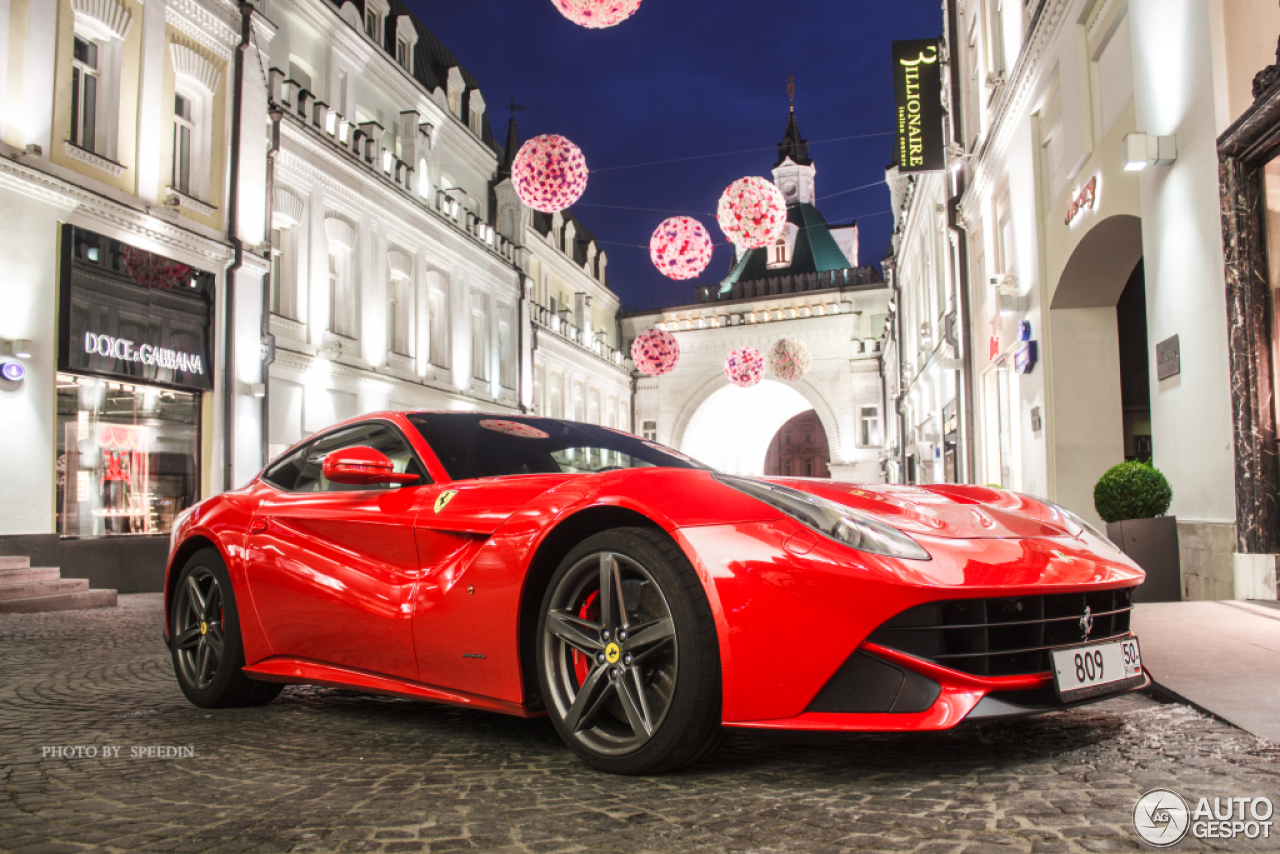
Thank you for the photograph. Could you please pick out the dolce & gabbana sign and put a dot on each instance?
(125, 350)
(917, 84)
(133, 314)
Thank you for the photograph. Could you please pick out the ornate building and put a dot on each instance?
(809, 285)
(1091, 176)
(122, 242)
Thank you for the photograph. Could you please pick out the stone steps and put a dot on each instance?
(27, 589)
(31, 575)
(42, 588)
(60, 602)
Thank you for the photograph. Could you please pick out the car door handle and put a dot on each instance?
(257, 526)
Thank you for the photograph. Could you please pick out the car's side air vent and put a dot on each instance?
(868, 683)
(1006, 637)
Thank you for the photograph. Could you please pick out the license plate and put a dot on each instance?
(1080, 672)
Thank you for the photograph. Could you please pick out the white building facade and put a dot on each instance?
(925, 377)
(120, 254)
(390, 287)
(1115, 272)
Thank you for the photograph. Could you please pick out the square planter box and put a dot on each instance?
(1153, 545)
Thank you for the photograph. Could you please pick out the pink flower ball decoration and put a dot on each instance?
(744, 367)
(681, 248)
(597, 14)
(655, 352)
(550, 173)
(790, 359)
(752, 212)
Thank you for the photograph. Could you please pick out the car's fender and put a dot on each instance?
(222, 521)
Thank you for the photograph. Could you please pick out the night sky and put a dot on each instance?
(693, 77)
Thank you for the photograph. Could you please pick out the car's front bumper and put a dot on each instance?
(928, 697)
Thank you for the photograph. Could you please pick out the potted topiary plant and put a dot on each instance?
(1132, 499)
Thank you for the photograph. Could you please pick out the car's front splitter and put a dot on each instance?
(960, 697)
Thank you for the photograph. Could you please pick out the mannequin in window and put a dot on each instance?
(115, 489)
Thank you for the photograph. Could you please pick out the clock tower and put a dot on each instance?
(794, 172)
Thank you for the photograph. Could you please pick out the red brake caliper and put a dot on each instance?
(582, 663)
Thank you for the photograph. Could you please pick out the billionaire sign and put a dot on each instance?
(917, 83)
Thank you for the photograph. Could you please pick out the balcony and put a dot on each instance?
(559, 324)
(364, 143)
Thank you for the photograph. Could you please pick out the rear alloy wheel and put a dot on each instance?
(628, 657)
(204, 638)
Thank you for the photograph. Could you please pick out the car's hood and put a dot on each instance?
(945, 510)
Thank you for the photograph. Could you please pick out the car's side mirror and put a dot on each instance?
(361, 466)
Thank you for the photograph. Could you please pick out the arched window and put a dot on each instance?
(195, 86)
(780, 251)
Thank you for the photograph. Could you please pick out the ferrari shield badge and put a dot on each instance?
(442, 501)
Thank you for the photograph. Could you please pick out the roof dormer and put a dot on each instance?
(455, 86)
(475, 112)
(375, 16)
(406, 41)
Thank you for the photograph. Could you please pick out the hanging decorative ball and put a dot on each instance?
(790, 359)
(655, 352)
(550, 173)
(744, 367)
(597, 14)
(752, 212)
(681, 248)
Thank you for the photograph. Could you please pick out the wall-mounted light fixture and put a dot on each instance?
(258, 389)
(1142, 150)
(19, 349)
(956, 156)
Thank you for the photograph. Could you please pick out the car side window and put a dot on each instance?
(308, 461)
(284, 472)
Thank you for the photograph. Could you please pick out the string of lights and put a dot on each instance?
(730, 153)
(646, 248)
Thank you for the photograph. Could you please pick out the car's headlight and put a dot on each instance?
(830, 519)
(1075, 524)
(1080, 524)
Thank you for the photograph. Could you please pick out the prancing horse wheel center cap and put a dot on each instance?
(204, 628)
(612, 653)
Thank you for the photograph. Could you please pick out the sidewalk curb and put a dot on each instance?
(1165, 694)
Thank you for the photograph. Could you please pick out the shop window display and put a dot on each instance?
(127, 457)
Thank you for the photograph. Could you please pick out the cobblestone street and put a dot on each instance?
(322, 770)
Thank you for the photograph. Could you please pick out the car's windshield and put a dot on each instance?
(472, 445)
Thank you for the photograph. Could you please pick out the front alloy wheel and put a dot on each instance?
(204, 638)
(198, 642)
(629, 660)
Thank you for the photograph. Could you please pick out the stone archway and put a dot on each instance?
(1086, 414)
(718, 382)
(731, 428)
(734, 427)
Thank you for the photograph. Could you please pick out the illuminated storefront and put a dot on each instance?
(134, 358)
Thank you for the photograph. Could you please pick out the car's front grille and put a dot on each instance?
(1006, 637)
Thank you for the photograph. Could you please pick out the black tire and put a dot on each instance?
(204, 638)
(635, 689)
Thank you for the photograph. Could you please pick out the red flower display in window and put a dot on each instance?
(153, 271)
